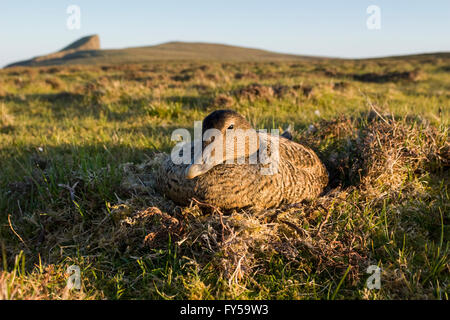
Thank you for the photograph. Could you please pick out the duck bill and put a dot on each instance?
(195, 170)
(205, 160)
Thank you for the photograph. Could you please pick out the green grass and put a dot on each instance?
(74, 128)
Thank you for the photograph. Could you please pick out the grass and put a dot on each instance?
(78, 145)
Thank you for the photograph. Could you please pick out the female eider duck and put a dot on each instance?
(235, 170)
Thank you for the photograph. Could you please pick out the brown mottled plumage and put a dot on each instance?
(301, 175)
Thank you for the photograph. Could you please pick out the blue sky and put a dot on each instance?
(325, 28)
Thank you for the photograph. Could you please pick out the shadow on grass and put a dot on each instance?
(31, 173)
(192, 102)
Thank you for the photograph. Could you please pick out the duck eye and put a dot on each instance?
(231, 126)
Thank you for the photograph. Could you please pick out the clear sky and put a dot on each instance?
(326, 28)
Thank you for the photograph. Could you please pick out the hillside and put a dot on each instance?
(79, 147)
(87, 51)
(85, 44)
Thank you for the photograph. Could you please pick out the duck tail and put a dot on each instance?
(287, 133)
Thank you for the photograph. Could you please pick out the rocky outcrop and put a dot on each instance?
(88, 43)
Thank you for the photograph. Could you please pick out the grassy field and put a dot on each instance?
(78, 145)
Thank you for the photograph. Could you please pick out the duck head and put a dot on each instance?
(227, 138)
